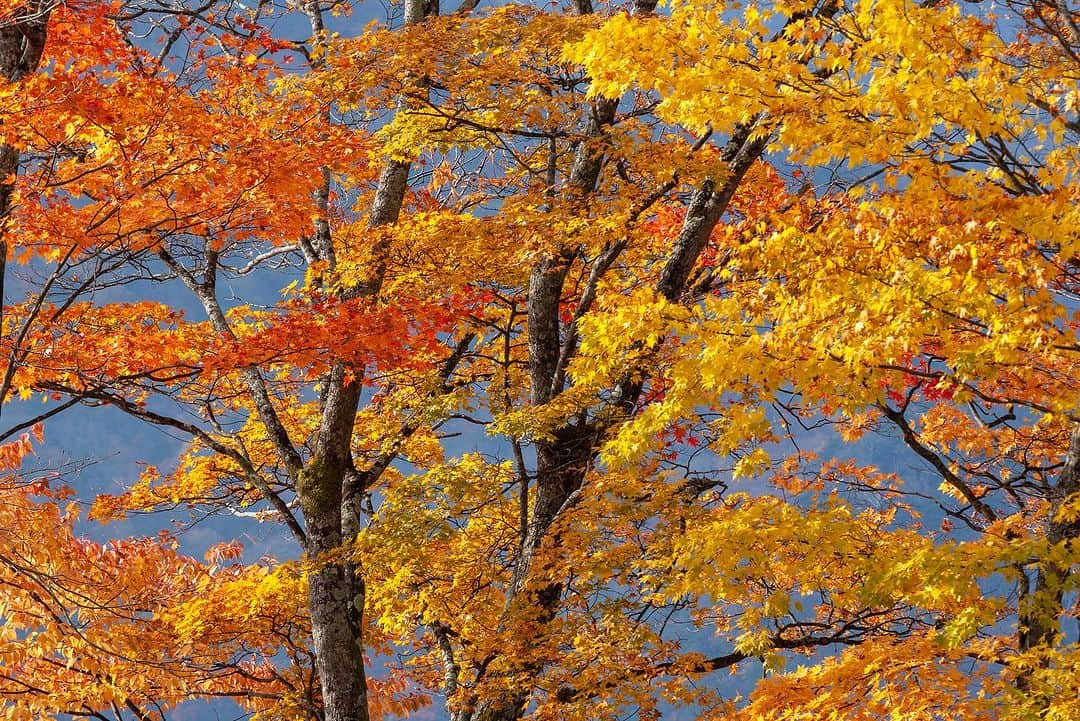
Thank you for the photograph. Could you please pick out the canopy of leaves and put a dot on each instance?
(596, 352)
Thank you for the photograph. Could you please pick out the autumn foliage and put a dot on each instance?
(708, 359)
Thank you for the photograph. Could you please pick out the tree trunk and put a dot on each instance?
(22, 41)
(329, 488)
(563, 462)
(335, 593)
(1042, 598)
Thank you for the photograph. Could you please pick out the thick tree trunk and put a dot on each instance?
(333, 597)
(329, 487)
(22, 39)
(335, 593)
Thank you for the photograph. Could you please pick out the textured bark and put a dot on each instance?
(561, 462)
(548, 276)
(335, 592)
(333, 597)
(389, 194)
(707, 205)
(22, 41)
(545, 289)
(329, 487)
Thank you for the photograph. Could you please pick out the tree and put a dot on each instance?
(944, 316)
(652, 255)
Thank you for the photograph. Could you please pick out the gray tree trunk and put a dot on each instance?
(329, 487)
(335, 591)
